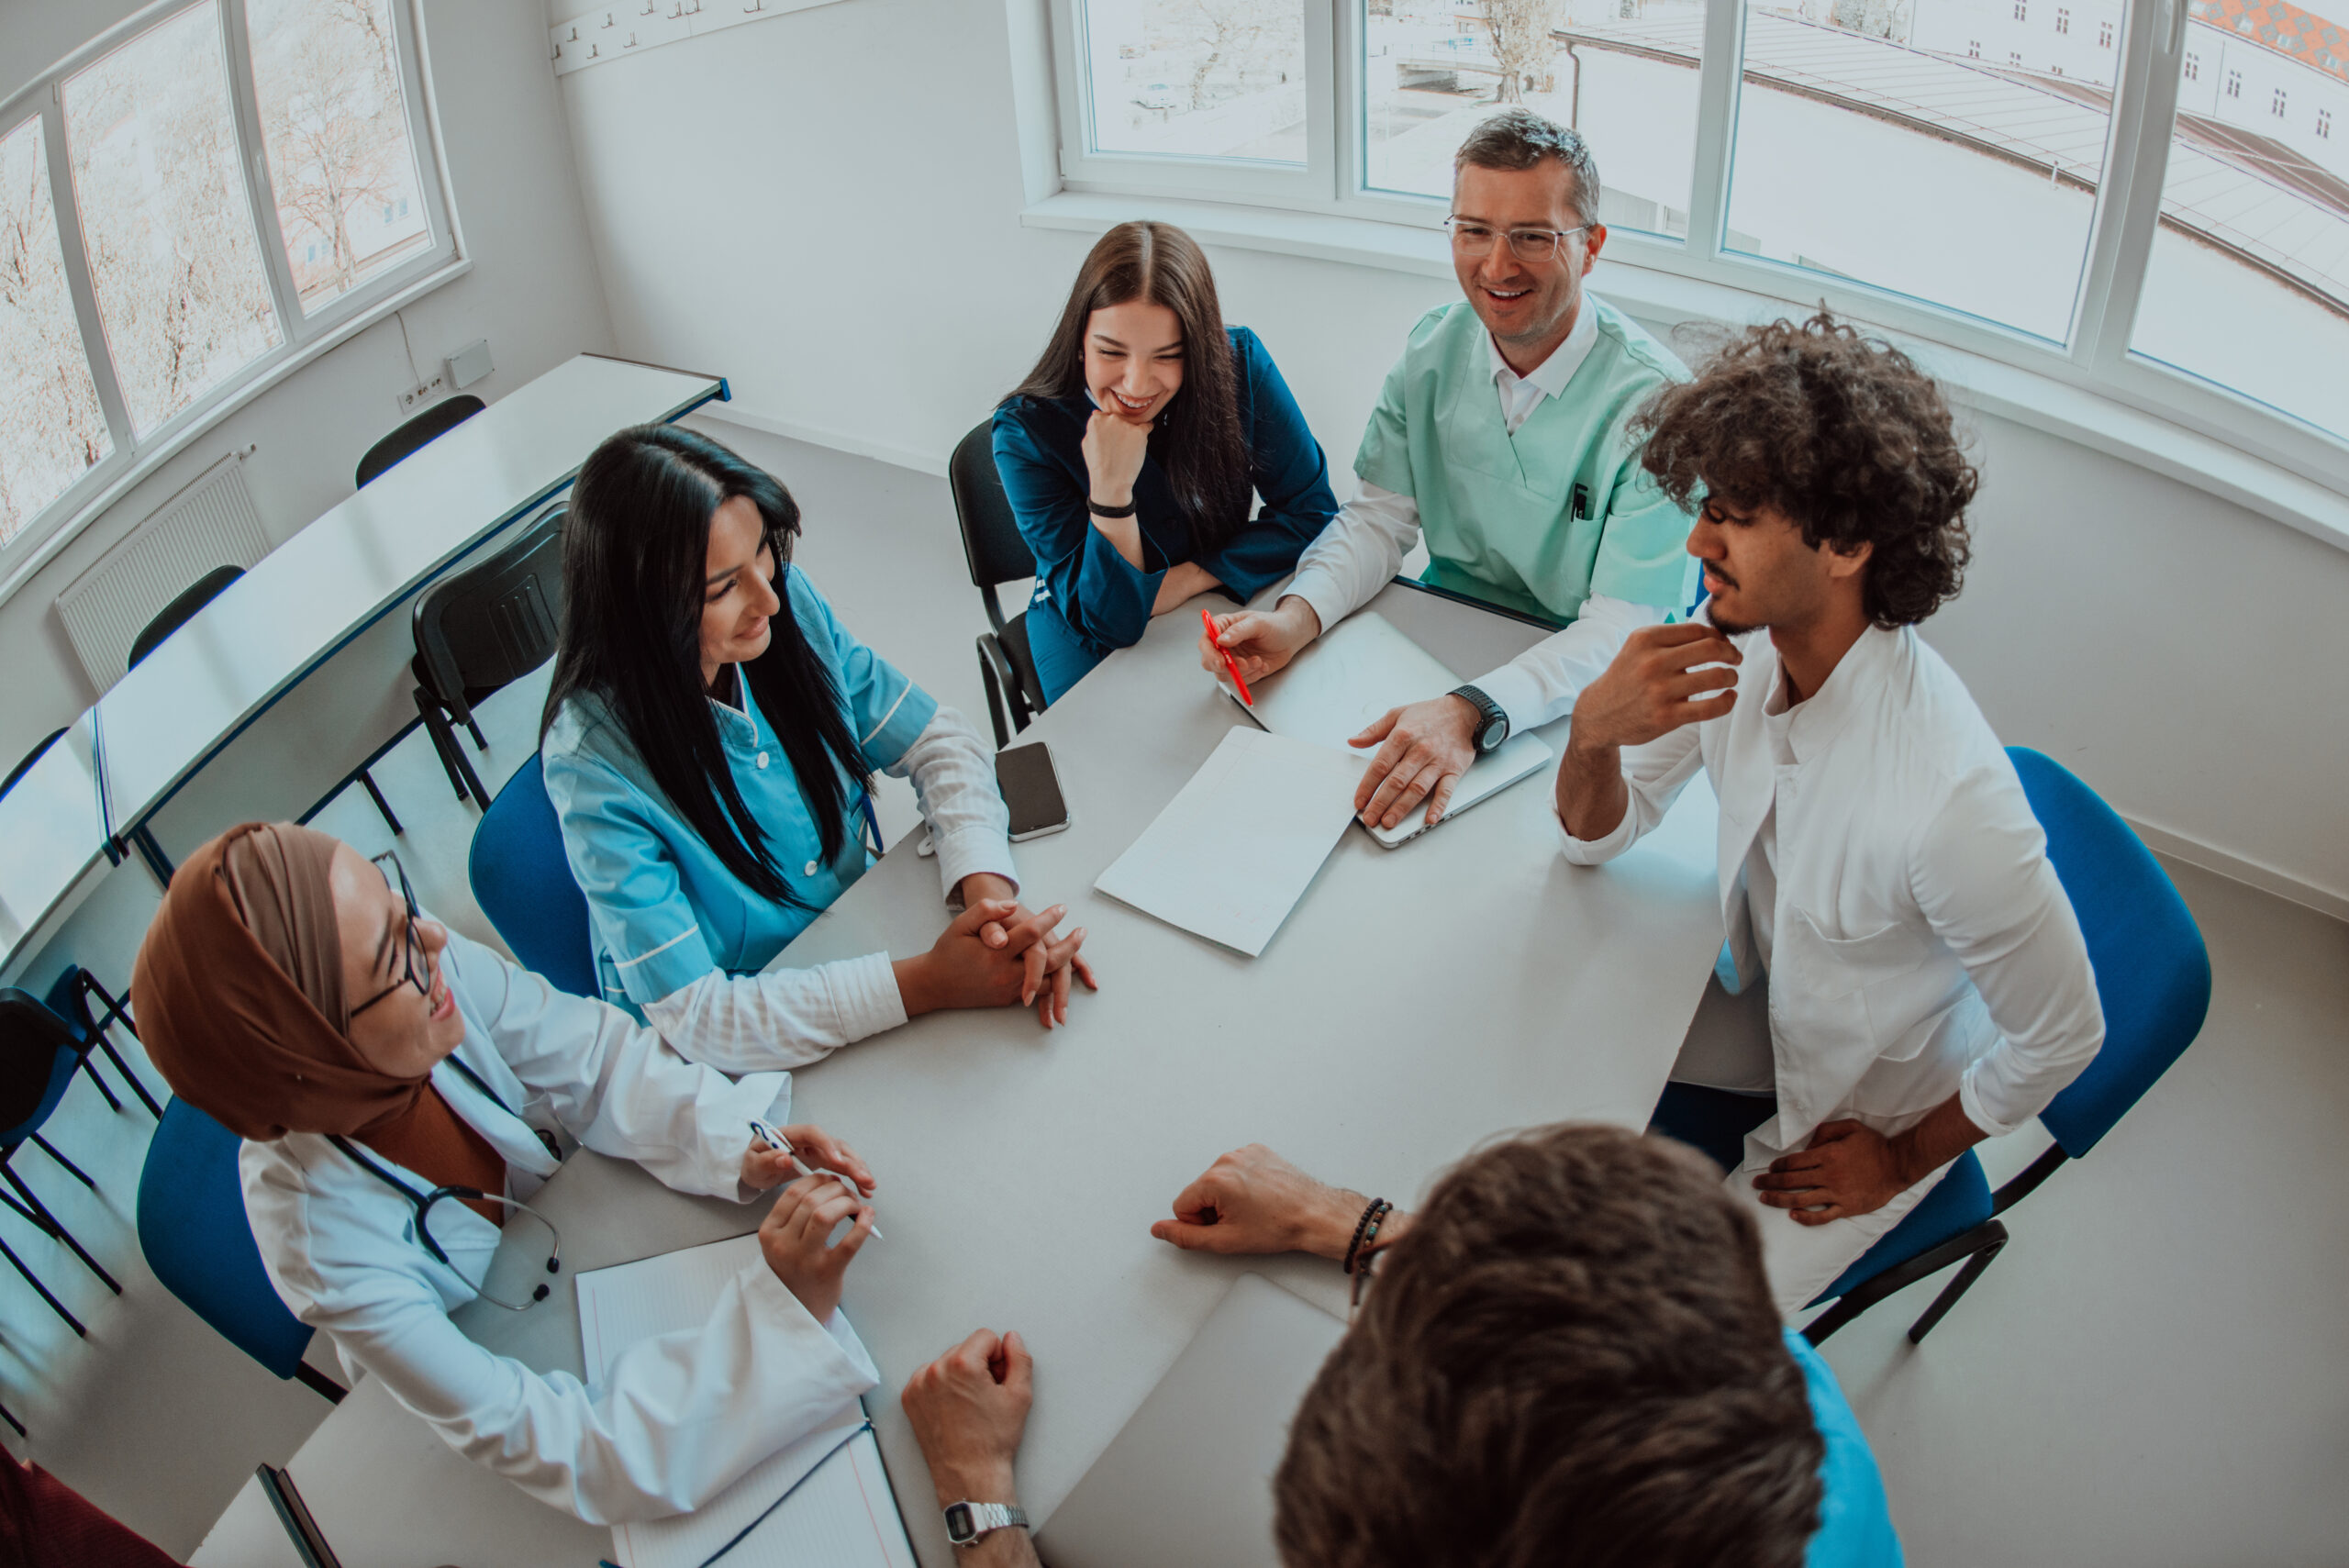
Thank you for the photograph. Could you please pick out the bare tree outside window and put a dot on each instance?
(1197, 78)
(334, 123)
(1522, 45)
(165, 219)
(51, 430)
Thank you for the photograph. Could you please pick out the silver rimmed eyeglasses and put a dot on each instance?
(1532, 246)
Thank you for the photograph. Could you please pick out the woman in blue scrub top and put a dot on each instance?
(708, 741)
(1129, 451)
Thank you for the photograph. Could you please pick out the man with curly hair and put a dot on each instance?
(1927, 986)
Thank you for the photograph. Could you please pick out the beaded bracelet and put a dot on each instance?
(1366, 1229)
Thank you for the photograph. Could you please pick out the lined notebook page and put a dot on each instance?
(1236, 849)
(845, 1517)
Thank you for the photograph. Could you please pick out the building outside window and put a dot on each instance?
(2104, 35)
(2062, 20)
(2193, 67)
(2275, 105)
(2235, 84)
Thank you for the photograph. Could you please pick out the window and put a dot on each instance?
(207, 178)
(2325, 122)
(1911, 209)
(1861, 153)
(1198, 78)
(2275, 105)
(335, 124)
(48, 405)
(2247, 286)
(1626, 78)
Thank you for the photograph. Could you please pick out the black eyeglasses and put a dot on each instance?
(396, 875)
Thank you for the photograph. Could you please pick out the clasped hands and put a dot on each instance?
(994, 954)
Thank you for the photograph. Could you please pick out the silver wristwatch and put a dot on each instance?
(966, 1522)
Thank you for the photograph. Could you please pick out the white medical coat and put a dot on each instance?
(1923, 946)
(683, 1414)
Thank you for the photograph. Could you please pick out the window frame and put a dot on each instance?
(2095, 356)
(302, 338)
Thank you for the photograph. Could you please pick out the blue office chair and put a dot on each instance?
(523, 884)
(2152, 977)
(193, 1229)
(43, 1041)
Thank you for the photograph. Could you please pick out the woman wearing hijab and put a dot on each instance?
(709, 739)
(402, 1092)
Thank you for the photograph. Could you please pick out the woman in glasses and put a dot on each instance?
(709, 741)
(1130, 452)
(403, 1092)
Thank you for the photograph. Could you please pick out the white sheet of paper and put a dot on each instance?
(1238, 844)
(844, 1515)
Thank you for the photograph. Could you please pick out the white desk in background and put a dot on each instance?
(1417, 1001)
(311, 595)
(51, 834)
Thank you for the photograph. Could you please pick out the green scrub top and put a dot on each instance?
(1537, 521)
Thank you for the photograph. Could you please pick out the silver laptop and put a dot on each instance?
(1189, 1482)
(1347, 679)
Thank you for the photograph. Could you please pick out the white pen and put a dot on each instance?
(781, 1145)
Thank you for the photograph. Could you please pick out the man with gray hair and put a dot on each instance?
(1503, 434)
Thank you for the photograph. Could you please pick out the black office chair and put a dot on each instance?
(178, 613)
(996, 553)
(419, 431)
(482, 629)
(35, 755)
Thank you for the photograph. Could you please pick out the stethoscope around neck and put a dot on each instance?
(424, 1204)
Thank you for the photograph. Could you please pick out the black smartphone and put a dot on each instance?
(1031, 788)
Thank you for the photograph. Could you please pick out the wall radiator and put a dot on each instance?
(211, 523)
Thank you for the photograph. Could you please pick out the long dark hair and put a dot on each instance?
(1198, 441)
(634, 553)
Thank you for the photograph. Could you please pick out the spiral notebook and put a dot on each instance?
(843, 1514)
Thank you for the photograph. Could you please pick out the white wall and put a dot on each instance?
(532, 291)
(839, 234)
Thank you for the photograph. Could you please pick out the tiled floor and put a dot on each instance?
(2154, 1372)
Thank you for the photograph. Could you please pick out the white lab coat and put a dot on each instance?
(1921, 945)
(682, 1415)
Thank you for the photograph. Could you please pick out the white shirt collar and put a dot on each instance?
(1552, 374)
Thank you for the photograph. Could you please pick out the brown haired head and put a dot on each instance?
(1843, 435)
(1518, 139)
(1197, 440)
(1571, 1357)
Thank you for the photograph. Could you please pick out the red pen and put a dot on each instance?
(1229, 662)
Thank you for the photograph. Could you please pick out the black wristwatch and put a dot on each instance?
(1492, 724)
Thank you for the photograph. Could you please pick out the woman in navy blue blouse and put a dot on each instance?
(1130, 452)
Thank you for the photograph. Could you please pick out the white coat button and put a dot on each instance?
(762, 759)
(813, 867)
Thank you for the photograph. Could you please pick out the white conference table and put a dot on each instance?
(52, 833)
(1417, 1001)
(311, 595)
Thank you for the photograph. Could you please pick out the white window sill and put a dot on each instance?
(1974, 380)
(20, 571)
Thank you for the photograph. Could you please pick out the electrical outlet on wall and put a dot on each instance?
(425, 392)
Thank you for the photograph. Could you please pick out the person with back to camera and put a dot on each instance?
(403, 1093)
(1503, 437)
(1910, 977)
(1568, 1356)
(1129, 451)
(709, 733)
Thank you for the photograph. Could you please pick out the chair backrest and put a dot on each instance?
(992, 542)
(495, 622)
(191, 1227)
(35, 755)
(523, 884)
(421, 431)
(2153, 973)
(171, 617)
(38, 1055)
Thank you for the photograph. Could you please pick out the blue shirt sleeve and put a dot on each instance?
(636, 906)
(1103, 596)
(1855, 1520)
(1288, 470)
(885, 710)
